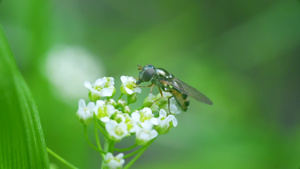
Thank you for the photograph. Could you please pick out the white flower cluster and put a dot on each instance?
(103, 87)
(114, 162)
(156, 103)
(129, 85)
(117, 118)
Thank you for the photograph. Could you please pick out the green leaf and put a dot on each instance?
(22, 144)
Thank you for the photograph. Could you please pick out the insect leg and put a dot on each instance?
(151, 88)
(151, 85)
(160, 91)
(161, 94)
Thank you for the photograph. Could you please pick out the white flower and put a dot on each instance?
(157, 102)
(129, 85)
(143, 121)
(112, 102)
(85, 112)
(174, 109)
(165, 122)
(129, 123)
(145, 133)
(121, 103)
(103, 87)
(116, 131)
(119, 117)
(104, 110)
(114, 162)
(144, 115)
(149, 102)
(126, 109)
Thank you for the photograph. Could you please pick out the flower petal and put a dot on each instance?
(101, 82)
(154, 121)
(120, 156)
(128, 91)
(162, 113)
(124, 79)
(137, 90)
(153, 134)
(91, 105)
(106, 92)
(87, 84)
(105, 119)
(174, 121)
(81, 103)
(135, 116)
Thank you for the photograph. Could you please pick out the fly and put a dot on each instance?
(167, 82)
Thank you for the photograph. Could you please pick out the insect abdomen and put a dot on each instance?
(181, 98)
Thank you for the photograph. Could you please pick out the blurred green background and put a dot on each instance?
(244, 55)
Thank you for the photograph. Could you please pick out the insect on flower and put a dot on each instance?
(167, 82)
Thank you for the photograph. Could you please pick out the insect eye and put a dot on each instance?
(148, 74)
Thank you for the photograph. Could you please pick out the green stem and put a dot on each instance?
(87, 139)
(102, 131)
(133, 153)
(106, 146)
(141, 151)
(61, 159)
(96, 136)
(126, 149)
(120, 96)
(140, 108)
(111, 146)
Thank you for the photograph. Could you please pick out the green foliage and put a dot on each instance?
(22, 144)
(244, 55)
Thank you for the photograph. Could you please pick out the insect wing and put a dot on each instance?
(185, 88)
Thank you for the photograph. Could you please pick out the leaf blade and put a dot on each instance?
(22, 144)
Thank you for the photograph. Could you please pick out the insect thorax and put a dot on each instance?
(162, 73)
(162, 76)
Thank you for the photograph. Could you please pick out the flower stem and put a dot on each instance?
(120, 96)
(101, 130)
(133, 153)
(141, 151)
(105, 147)
(140, 108)
(87, 139)
(111, 146)
(125, 149)
(61, 159)
(96, 136)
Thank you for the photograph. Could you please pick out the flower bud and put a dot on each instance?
(132, 98)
